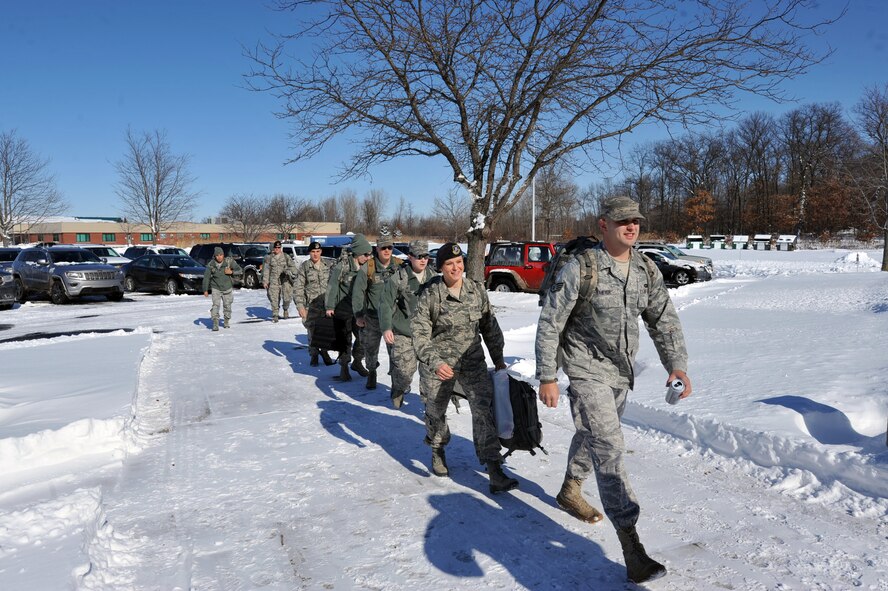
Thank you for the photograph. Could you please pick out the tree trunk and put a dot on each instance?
(885, 247)
(477, 239)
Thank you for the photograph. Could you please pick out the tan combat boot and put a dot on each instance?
(570, 498)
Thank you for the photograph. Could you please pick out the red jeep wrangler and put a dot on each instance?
(517, 266)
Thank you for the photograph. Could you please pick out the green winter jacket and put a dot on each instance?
(397, 304)
(369, 283)
(215, 278)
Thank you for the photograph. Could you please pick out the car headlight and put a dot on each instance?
(4, 279)
(74, 274)
(190, 276)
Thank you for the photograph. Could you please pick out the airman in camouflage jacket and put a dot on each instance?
(311, 283)
(448, 330)
(598, 339)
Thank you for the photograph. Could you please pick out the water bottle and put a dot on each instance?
(674, 390)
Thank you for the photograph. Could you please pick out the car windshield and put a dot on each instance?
(104, 251)
(674, 251)
(256, 251)
(183, 262)
(74, 257)
(668, 255)
(8, 255)
(172, 251)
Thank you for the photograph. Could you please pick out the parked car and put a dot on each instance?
(7, 290)
(7, 255)
(169, 273)
(106, 253)
(249, 256)
(517, 266)
(676, 271)
(64, 273)
(676, 252)
(134, 252)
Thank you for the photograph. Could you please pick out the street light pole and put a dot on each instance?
(533, 208)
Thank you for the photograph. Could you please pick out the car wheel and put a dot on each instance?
(57, 293)
(172, 288)
(21, 294)
(503, 285)
(682, 277)
(129, 284)
(251, 281)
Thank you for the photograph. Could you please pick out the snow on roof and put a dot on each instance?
(787, 238)
(762, 237)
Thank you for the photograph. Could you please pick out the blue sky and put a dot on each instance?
(76, 74)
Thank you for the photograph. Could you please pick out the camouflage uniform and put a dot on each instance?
(597, 347)
(365, 302)
(397, 305)
(449, 330)
(220, 286)
(277, 273)
(338, 298)
(310, 291)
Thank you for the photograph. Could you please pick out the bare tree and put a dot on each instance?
(28, 193)
(500, 89)
(286, 213)
(348, 209)
(817, 138)
(329, 210)
(557, 198)
(155, 184)
(452, 212)
(372, 208)
(245, 215)
(872, 179)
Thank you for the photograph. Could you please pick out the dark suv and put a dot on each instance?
(249, 256)
(63, 273)
(517, 266)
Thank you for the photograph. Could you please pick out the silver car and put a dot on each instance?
(706, 262)
(63, 273)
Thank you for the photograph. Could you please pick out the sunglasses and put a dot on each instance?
(421, 257)
(386, 247)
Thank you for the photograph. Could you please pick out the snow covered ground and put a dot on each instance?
(140, 450)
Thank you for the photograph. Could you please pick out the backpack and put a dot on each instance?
(577, 247)
(528, 431)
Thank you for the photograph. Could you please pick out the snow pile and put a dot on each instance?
(856, 261)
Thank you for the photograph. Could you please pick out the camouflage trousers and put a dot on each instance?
(277, 291)
(598, 446)
(371, 335)
(478, 387)
(225, 298)
(402, 363)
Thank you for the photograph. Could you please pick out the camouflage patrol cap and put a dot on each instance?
(384, 240)
(620, 208)
(419, 247)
